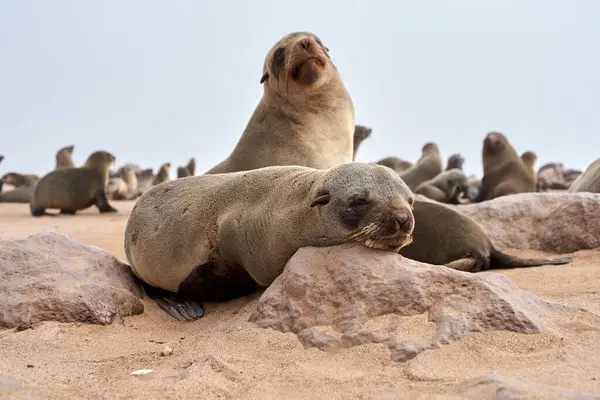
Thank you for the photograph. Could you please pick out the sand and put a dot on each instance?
(224, 356)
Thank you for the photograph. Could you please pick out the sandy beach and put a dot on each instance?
(223, 355)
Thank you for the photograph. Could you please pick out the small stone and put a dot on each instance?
(29, 365)
(166, 351)
(141, 372)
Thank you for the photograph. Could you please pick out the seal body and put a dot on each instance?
(23, 187)
(395, 163)
(446, 187)
(162, 175)
(589, 181)
(64, 157)
(529, 158)
(246, 225)
(426, 168)
(551, 176)
(123, 186)
(188, 170)
(73, 189)
(455, 161)
(305, 116)
(443, 236)
(503, 170)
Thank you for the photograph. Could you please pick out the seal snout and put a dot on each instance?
(402, 218)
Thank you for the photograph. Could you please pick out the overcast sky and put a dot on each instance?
(154, 81)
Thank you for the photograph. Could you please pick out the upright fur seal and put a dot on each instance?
(589, 181)
(426, 168)
(529, 158)
(246, 225)
(455, 161)
(443, 236)
(163, 174)
(188, 170)
(73, 189)
(64, 157)
(124, 186)
(360, 133)
(503, 170)
(305, 116)
(395, 163)
(447, 187)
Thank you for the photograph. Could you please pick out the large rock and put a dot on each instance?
(349, 295)
(555, 222)
(50, 276)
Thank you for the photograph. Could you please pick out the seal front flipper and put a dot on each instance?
(179, 307)
(103, 205)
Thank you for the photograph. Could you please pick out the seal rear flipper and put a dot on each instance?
(467, 264)
(500, 260)
(178, 307)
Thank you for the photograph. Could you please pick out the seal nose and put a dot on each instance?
(305, 43)
(403, 218)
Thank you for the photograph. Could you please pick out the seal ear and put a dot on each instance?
(264, 77)
(321, 200)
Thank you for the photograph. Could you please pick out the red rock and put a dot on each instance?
(50, 276)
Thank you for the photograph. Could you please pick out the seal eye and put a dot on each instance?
(411, 201)
(279, 55)
(321, 200)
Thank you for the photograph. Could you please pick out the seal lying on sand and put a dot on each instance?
(73, 189)
(443, 236)
(305, 116)
(246, 225)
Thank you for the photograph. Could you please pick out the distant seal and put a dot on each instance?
(395, 163)
(1, 158)
(455, 161)
(503, 170)
(305, 116)
(529, 158)
(162, 175)
(144, 180)
(551, 176)
(123, 187)
(443, 236)
(426, 168)
(23, 187)
(188, 170)
(216, 237)
(589, 181)
(73, 189)
(64, 157)
(360, 133)
(473, 188)
(17, 180)
(447, 187)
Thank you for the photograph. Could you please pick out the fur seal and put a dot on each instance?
(144, 180)
(455, 161)
(589, 181)
(426, 168)
(246, 225)
(162, 175)
(123, 187)
(23, 187)
(188, 170)
(529, 158)
(446, 187)
(395, 163)
(64, 157)
(503, 170)
(360, 133)
(551, 176)
(459, 242)
(305, 116)
(76, 188)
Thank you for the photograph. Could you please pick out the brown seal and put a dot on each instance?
(426, 168)
(455, 161)
(73, 189)
(529, 158)
(64, 157)
(305, 116)
(246, 225)
(360, 133)
(395, 163)
(589, 181)
(23, 187)
(123, 186)
(443, 236)
(188, 170)
(503, 170)
(551, 176)
(447, 187)
(162, 175)
(144, 180)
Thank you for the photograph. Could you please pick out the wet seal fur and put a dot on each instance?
(589, 181)
(246, 226)
(426, 168)
(503, 170)
(305, 116)
(447, 187)
(64, 157)
(360, 133)
(74, 189)
(443, 236)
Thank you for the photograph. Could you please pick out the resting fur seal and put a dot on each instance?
(188, 170)
(246, 225)
(455, 161)
(23, 187)
(124, 186)
(64, 157)
(503, 170)
(162, 175)
(447, 187)
(144, 180)
(395, 163)
(589, 181)
(426, 168)
(305, 116)
(76, 188)
(443, 236)
(360, 133)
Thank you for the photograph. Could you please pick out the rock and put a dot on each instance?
(553, 222)
(349, 295)
(166, 351)
(50, 276)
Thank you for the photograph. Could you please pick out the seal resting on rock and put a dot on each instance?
(305, 116)
(426, 168)
(64, 157)
(73, 189)
(219, 236)
(529, 158)
(447, 187)
(446, 237)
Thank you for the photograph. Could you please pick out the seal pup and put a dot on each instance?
(76, 188)
(64, 157)
(443, 236)
(360, 133)
(246, 226)
(305, 116)
(529, 158)
(589, 181)
(503, 170)
(426, 168)
(446, 187)
(123, 187)
(395, 163)
(188, 170)
(162, 175)
(455, 161)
